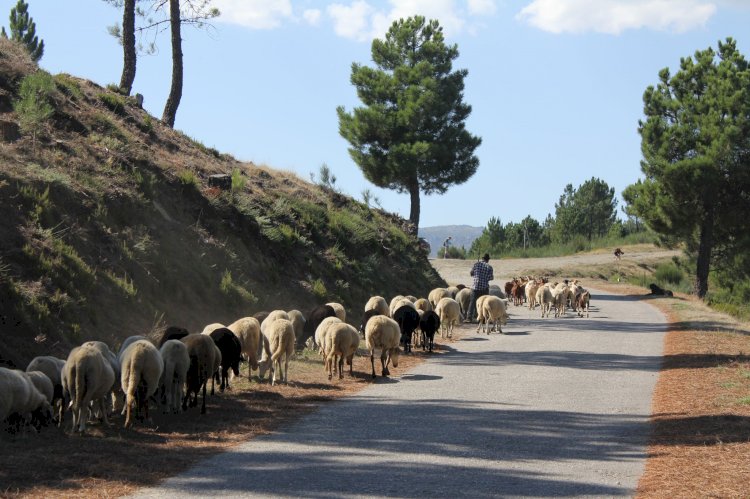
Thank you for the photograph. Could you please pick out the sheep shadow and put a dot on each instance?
(420, 377)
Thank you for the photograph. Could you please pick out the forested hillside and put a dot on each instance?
(109, 226)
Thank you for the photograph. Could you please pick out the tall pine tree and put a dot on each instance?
(410, 135)
(23, 29)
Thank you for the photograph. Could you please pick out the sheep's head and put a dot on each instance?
(394, 356)
(263, 366)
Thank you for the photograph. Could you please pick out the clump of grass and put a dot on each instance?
(235, 290)
(110, 142)
(147, 125)
(113, 102)
(187, 177)
(68, 86)
(124, 283)
(318, 288)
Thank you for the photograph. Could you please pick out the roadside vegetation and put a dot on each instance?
(112, 225)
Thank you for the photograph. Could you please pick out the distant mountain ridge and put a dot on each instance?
(461, 236)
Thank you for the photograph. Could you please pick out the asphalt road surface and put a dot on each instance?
(551, 408)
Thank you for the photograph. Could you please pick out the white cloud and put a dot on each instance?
(361, 21)
(616, 16)
(481, 7)
(352, 21)
(312, 16)
(255, 14)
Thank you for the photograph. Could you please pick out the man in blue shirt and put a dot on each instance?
(482, 274)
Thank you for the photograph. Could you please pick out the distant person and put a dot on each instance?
(619, 253)
(482, 273)
(446, 243)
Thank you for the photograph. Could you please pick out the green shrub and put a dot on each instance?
(187, 177)
(68, 86)
(34, 104)
(147, 126)
(114, 102)
(669, 273)
(319, 289)
(235, 290)
(238, 181)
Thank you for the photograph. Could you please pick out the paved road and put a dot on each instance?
(555, 407)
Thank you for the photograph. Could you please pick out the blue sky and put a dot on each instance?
(555, 85)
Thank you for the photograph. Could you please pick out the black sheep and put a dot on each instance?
(231, 350)
(365, 318)
(314, 318)
(429, 324)
(172, 333)
(407, 318)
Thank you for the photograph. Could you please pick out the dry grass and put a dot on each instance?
(700, 445)
(111, 461)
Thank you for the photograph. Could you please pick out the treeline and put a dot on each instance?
(583, 216)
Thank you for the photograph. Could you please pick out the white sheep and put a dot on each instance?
(450, 314)
(129, 341)
(322, 331)
(453, 290)
(382, 333)
(531, 288)
(87, 378)
(19, 396)
(211, 328)
(560, 293)
(582, 303)
(141, 367)
(298, 320)
(338, 309)
(491, 309)
(342, 341)
(276, 314)
(545, 298)
(377, 303)
(52, 367)
(463, 298)
(436, 295)
(113, 360)
(403, 302)
(176, 359)
(423, 304)
(280, 334)
(392, 305)
(42, 383)
(247, 330)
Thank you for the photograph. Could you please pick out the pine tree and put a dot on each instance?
(23, 29)
(410, 135)
(695, 140)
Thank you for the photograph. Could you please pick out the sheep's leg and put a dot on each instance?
(341, 366)
(372, 362)
(385, 359)
(203, 406)
(103, 407)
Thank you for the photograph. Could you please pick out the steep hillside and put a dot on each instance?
(108, 228)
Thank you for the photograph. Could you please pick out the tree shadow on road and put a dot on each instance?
(479, 450)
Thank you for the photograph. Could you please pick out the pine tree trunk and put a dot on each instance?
(704, 253)
(128, 46)
(414, 214)
(175, 92)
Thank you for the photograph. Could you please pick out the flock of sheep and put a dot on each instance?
(173, 369)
